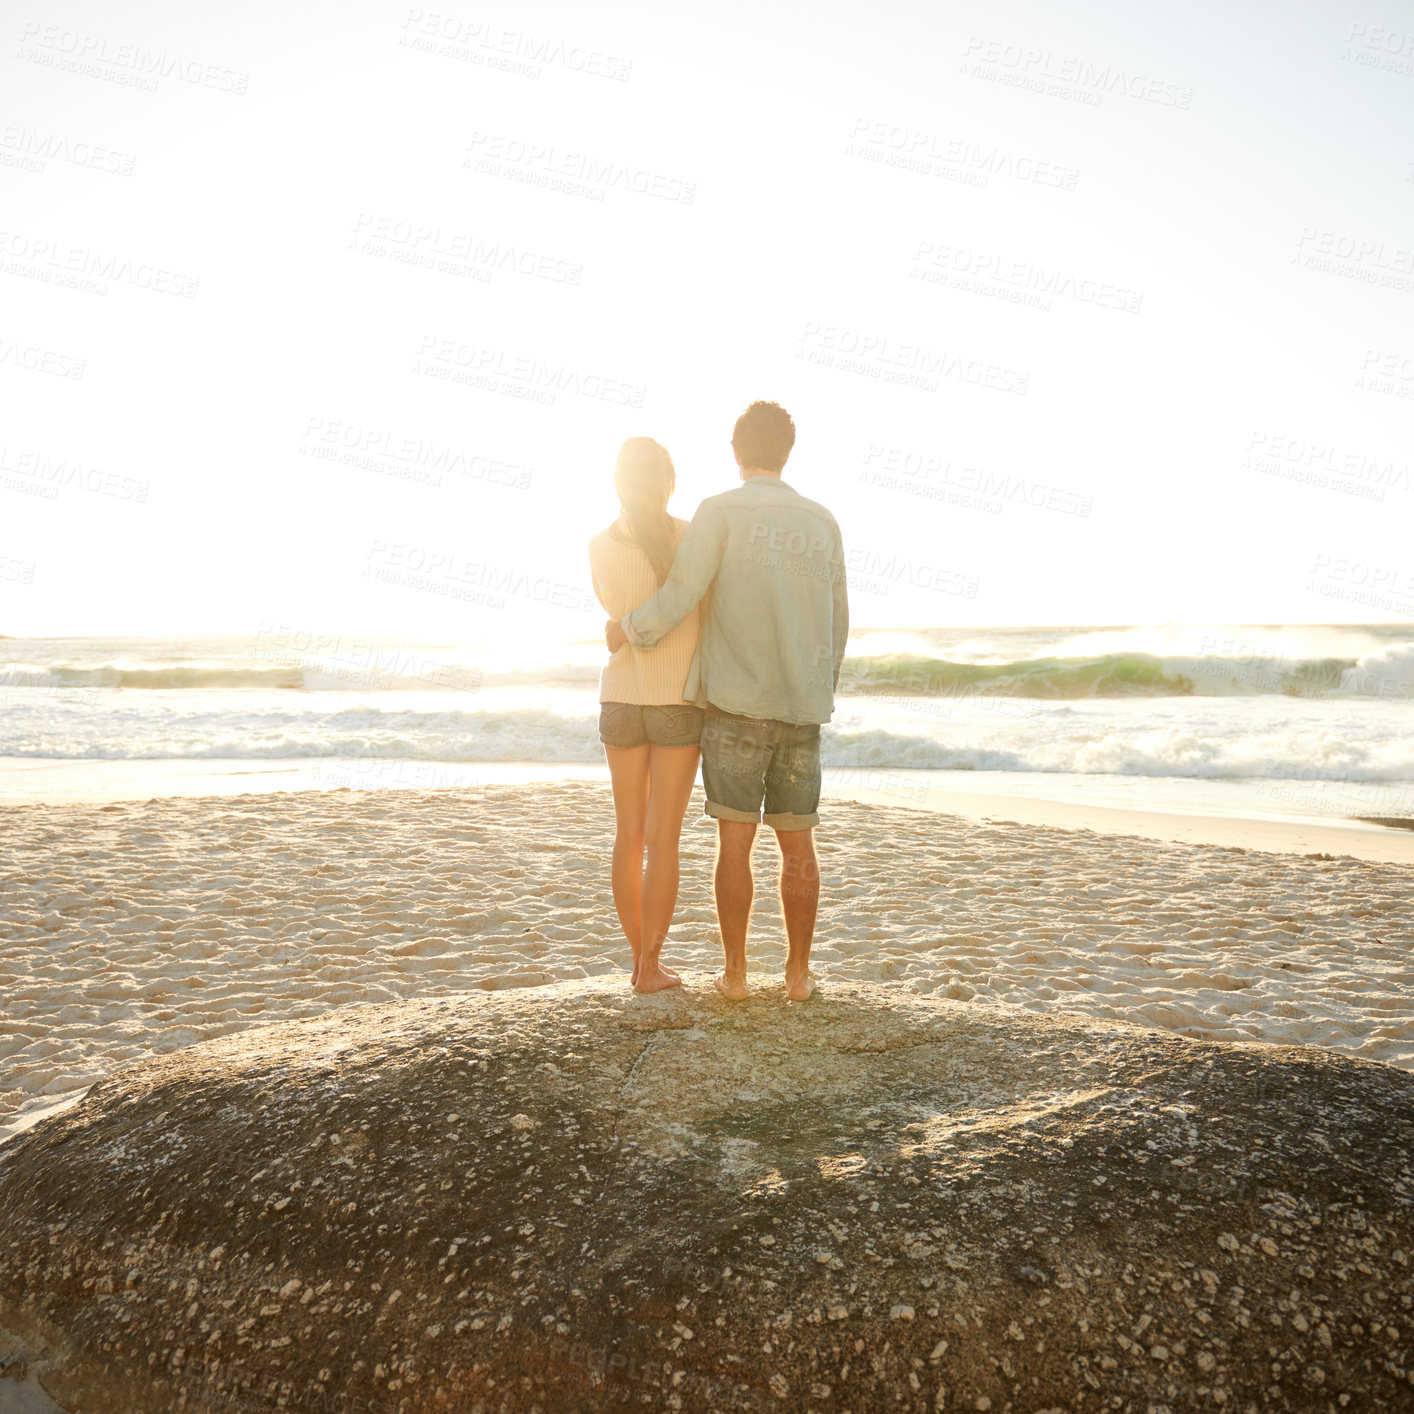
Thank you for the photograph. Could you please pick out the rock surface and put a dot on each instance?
(566, 1198)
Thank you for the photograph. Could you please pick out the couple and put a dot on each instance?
(727, 637)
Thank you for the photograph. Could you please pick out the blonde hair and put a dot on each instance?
(644, 480)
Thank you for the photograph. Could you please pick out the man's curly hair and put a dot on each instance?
(763, 437)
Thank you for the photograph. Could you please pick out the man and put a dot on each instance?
(771, 566)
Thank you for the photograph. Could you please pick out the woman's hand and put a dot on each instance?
(614, 635)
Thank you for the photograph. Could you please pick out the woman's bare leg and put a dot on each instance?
(671, 772)
(628, 771)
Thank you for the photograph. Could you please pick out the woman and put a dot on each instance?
(650, 733)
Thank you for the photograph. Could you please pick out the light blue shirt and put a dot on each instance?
(771, 566)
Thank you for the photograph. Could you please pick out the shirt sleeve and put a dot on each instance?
(839, 618)
(698, 559)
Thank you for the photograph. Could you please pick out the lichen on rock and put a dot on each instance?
(569, 1197)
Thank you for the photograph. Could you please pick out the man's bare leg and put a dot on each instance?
(800, 902)
(734, 890)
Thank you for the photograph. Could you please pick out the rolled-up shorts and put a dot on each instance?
(627, 724)
(761, 769)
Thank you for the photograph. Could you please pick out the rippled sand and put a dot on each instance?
(129, 930)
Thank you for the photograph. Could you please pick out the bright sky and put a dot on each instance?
(1094, 315)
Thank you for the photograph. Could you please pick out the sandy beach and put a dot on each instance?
(976, 795)
(132, 929)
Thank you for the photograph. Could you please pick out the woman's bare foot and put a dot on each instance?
(656, 979)
(655, 966)
(732, 988)
(802, 989)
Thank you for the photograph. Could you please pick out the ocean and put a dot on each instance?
(1313, 721)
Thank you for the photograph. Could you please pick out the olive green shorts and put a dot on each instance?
(754, 770)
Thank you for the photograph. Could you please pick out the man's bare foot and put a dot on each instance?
(732, 988)
(802, 989)
(657, 979)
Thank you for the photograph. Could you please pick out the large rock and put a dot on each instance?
(567, 1198)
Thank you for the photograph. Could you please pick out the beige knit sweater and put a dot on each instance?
(623, 579)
